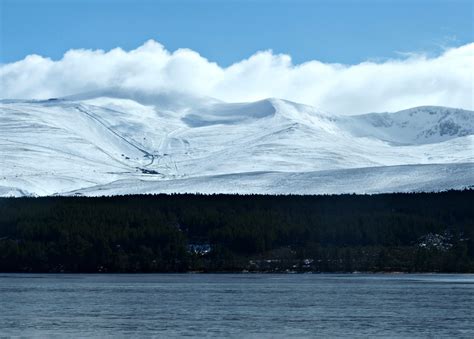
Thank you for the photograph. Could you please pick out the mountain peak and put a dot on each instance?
(164, 100)
(121, 139)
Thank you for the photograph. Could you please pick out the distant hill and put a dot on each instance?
(113, 142)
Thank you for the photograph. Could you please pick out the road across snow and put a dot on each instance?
(408, 178)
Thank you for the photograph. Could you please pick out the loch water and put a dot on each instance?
(237, 305)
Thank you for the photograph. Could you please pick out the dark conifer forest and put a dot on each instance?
(412, 232)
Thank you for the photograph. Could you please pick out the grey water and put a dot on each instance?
(236, 305)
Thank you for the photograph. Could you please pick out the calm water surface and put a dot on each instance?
(236, 305)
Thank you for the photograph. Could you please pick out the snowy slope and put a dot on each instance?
(419, 125)
(118, 142)
(407, 178)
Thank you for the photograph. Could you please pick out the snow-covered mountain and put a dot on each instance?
(115, 142)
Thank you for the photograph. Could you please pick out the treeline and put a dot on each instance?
(416, 232)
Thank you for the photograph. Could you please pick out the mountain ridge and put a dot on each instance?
(68, 144)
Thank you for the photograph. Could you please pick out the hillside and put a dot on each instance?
(113, 141)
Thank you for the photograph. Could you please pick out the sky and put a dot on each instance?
(403, 53)
(228, 31)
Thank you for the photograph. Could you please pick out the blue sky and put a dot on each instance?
(229, 31)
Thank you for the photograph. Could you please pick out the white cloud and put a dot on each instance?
(392, 85)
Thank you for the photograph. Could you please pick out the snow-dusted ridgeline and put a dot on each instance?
(112, 142)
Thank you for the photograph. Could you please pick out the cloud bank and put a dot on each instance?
(445, 80)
